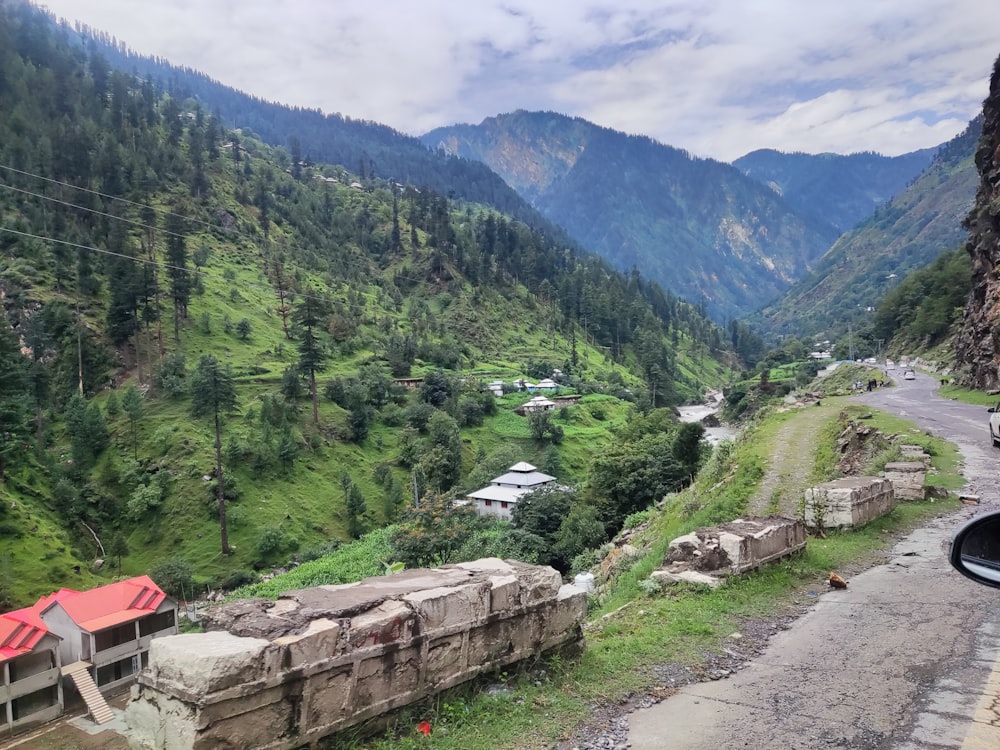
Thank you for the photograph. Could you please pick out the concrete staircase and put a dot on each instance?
(100, 711)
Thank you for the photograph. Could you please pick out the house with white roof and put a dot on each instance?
(546, 385)
(502, 494)
(537, 403)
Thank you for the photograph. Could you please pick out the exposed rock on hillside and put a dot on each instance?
(978, 344)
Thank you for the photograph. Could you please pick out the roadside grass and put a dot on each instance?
(968, 396)
(629, 632)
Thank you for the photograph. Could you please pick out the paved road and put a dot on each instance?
(906, 658)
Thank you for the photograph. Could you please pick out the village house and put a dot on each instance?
(502, 494)
(548, 385)
(30, 689)
(538, 403)
(107, 630)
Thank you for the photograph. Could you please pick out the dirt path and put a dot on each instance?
(791, 463)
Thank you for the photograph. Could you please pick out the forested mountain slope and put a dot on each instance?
(908, 233)
(368, 149)
(700, 228)
(836, 189)
(158, 270)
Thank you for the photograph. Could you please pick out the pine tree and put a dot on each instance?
(213, 394)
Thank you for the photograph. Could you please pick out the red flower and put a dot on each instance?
(424, 728)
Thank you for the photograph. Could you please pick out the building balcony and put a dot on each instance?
(29, 684)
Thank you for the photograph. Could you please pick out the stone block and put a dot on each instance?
(208, 662)
(321, 641)
(686, 576)
(445, 658)
(451, 607)
(907, 479)
(386, 677)
(389, 622)
(325, 695)
(737, 546)
(848, 502)
(246, 729)
(505, 593)
(567, 611)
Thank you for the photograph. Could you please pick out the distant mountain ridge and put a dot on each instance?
(837, 189)
(699, 227)
(908, 233)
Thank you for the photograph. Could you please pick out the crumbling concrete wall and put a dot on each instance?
(848, 502)
(731, 549)
(286, 674)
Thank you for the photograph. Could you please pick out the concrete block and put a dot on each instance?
(455, 606)
(445, 657)
(324, 697)
(382, 678)
(320, 641)
(207, 662)
(389, 622)
(848, 502)
(505, 593)
(907, 479)
(687, 576)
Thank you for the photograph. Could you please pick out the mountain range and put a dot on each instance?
(731, 237)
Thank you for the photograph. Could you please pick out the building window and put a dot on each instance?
(503, 505)
(115, 636)
(156, 623)
(488, 503)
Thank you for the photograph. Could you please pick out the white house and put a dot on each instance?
(537, 403)
(546, 385)
(30, 688)
(496, 388)
(502, 494)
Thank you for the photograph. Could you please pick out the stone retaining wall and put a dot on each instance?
(285, 674)
(847, 502)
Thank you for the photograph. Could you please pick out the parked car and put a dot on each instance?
(909, 375)
(994, 424)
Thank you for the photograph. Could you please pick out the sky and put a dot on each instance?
(719, 78)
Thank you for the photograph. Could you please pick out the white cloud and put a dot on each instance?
(718, 77)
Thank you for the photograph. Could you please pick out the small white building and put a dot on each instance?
(496, 388)
(502, 494)
(537, 403)
(546, 385)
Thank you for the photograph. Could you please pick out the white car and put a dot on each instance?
(995, 424)
(909, 375)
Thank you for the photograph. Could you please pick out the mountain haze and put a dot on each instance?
(699, 227)
(837, 189)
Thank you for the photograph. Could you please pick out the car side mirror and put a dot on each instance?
(975, 550)
(991, 410)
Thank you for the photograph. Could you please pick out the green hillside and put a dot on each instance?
(699, 227)
(847, 283)
(838, 189)
(142, 244)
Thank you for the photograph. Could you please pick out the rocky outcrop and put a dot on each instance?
(286, 674)
(977, 348)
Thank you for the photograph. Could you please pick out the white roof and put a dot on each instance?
(540, 401)
(501, 494)
(523, 466)
(524, 479)
(547, 383)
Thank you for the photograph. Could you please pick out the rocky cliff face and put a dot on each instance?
(978, 345)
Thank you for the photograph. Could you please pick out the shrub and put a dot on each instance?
(175, 576)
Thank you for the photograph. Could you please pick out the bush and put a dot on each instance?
(236, 579)
(175, 576)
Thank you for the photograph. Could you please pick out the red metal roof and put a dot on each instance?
(20, 632)
(109, 605)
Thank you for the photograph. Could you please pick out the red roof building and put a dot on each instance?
(109, 628)
(30, 690)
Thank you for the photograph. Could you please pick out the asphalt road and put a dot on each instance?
(906, 658)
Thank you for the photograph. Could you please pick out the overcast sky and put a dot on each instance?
(719, 78)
